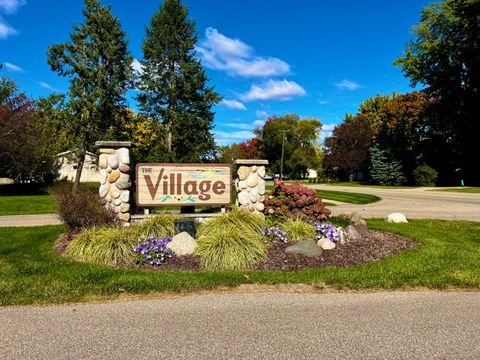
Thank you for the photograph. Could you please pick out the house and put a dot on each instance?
(66, 167)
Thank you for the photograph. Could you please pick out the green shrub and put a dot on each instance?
(298, 229)
(424, 175)
(82, 208)
(159, 226)
(107, 245)
(233, 241)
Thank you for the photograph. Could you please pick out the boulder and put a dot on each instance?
(124, 169)
(358, 222)
(117, 202)
(243, 197)
(396, 218)
(103, 190)
(242, 184)
(113, 162)
(259, 206)
(103, 176)
(253, 168)
(123, 182)
(326, 244)
(243, 172)
(261, 171)
(261, 186)
(114, 192)
(305, 247)
(182, 244)
(103, 161)
(252, 180)
(123, 155)
(125, 195)
(124, 207)
(352, 233)
(124, 217)
(113, 176)
(254, 195)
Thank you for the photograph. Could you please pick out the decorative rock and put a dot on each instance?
(113, 176)
(253, 168)
(326, 244)
(103, 161)
(124, 217)
(113, 162)
(259, 206)
(261, 198)
(117, 202)
(123, 155)
(305, 247)
(124, 207)
(242, 184)
(103, 176)
(124, 169)
(252, 180)
(243, 172)
(358, 222)
(114, 192)
(123, 182)
(261, 186)
(396, 218)
(109, 169)
(103, 190)
(182, 244)
(352, 233)
(125, 195)
(251, 207)
(243, 197)
(116, 209)
(261, 171)
(254, 195)
(103, 202)
(107, 151)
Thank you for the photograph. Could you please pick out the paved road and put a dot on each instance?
(419, 203)
(411, 325)
(29, 220)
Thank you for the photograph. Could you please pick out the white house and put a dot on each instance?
(66, 168)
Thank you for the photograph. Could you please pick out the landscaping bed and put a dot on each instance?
(371, 247)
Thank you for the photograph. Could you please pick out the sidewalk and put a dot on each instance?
(29, 220)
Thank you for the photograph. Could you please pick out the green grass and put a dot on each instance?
(27, 204)
(460, 190)
(348, 197)
(31, 273)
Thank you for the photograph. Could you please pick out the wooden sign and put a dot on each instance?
(183, 184)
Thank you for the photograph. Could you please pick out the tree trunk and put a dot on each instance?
(81, 160)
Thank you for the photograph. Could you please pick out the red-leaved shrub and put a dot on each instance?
(295, 201)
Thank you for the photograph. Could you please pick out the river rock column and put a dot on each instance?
(115, 164)
(250, 185)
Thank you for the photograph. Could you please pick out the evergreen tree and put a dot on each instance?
(174, 87)
(97, 63)
(385, 170)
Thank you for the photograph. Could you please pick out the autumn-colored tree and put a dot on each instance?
(348, 149)
(250, 149)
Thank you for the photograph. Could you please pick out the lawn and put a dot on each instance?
(27, 204)
(459, 189)
(348, 197)
(32, 273)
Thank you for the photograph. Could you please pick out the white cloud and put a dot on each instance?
(13, 67)
(6, 30)
(11, 6)
(220, 52)
(137, 66)
(261, 114)
(347, 85)
(47, 86)
(274, 90)
(241, 126)
(327, 130)
(224, 137)
(233, 104)
(258, 123)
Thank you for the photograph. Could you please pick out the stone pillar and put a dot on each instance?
(115, 165)
(250, 185)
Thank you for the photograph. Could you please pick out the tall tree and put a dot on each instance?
(97, 63)
(174, 87)
(445, 57)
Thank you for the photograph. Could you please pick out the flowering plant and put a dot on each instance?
(153, 251)
(274, 234)
(328, 231)
(295, 201)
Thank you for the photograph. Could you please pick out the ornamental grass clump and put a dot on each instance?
(298, 229)
(328, 231)
(295, 201)
(153, 251)
(158, 226)
(111, 246)
(233, 241)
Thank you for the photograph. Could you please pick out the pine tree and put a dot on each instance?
(97, 63)
(385, 170)
(174, 87)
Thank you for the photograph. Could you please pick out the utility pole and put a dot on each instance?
(283, 153)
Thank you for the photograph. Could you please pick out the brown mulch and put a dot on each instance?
(373, 246)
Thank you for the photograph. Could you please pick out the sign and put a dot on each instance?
(183, 184)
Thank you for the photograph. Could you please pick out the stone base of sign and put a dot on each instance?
(115, 181)
(250, 185)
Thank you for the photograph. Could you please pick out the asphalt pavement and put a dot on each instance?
(276, 325)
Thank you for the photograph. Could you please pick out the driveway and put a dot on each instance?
(277, 325)
(419, 203)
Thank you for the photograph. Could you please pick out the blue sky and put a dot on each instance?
(313, 58)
